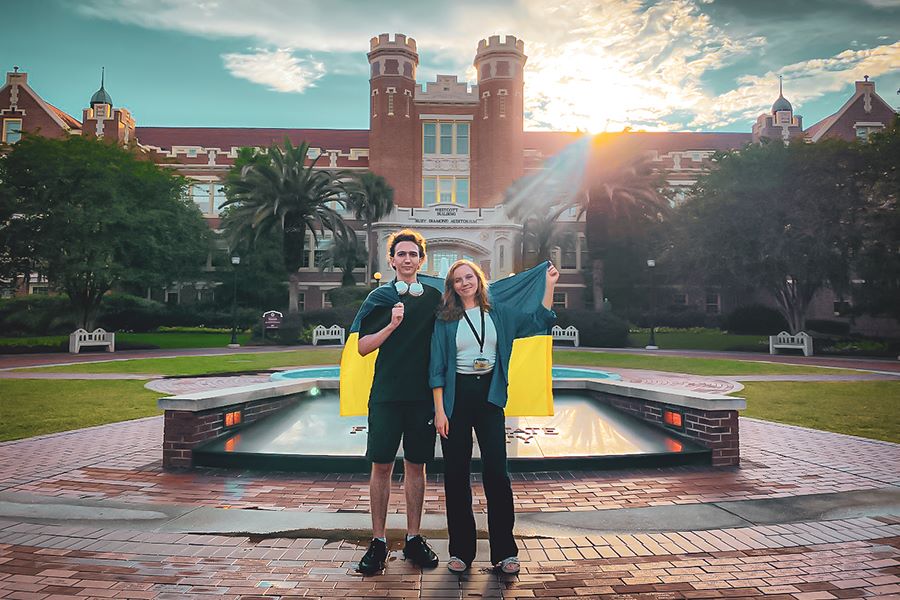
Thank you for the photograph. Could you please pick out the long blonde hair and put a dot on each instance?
(451, 308)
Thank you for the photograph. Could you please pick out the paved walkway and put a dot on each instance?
(809, 515)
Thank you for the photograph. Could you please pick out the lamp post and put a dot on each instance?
(235, 261)
(377, 277)
(651, 344)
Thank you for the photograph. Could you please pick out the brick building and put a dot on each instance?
(449, 149)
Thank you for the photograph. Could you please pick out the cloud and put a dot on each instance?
(804, 81)
(592, 64)
(278, 70)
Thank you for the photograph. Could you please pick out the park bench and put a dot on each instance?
(569, 334)
(335, 332)
(98, 337)
(800, 341)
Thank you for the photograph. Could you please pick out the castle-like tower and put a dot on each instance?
(395, 150)
(105, 121)
(497, 146)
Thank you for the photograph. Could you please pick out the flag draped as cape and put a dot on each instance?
(530, 386)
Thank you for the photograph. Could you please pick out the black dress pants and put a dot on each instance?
(472, 411)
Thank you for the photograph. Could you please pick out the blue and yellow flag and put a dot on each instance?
(530, 389)
(357, 371)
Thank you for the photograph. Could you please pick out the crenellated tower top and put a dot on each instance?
(396, 56)
(400, 42)
(509, 44)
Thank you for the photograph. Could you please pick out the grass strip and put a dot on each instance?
(864, 408)
(37, 406)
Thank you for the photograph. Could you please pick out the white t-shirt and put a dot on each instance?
(467, 349)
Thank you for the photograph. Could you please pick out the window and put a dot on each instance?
(583, 255)
(200, 194)
(301, 301)
(429, 190)
(679, 299)
(713, 303)
(218, 198)
(462, 191)
(485, 108)
(502, 106)
(320, 247)
(390, 104)
(462, 138)
(429, 135)
(326, 300)
(40, 290)
(172, 298)
(567, 251)
(439, 261)
(445, 190)
(12, 130)
(841, 307)
(446, 138)
(864, 131)
(559, 299)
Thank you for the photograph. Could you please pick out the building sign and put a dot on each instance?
(445, 214)
(272, 319)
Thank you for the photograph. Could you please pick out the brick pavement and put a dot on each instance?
(812, 560)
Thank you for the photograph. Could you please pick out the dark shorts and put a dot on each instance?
(391, 422)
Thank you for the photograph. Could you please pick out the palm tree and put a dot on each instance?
(344, 253)
(277, 190)
(627, 196)
(371, 200)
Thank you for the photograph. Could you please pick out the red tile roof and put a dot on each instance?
(226, 138)
(66, 117)
(551, 142)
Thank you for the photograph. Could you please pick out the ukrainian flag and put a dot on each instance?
(530, 389)
(357, 371)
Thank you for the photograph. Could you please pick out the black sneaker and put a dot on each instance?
(373, 560)
(418, 551)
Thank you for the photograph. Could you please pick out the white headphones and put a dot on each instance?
(413, 289)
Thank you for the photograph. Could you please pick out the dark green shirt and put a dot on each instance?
(401, 369)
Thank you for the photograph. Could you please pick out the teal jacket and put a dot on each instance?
(516, 310)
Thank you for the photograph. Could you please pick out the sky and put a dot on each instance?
(593, 65)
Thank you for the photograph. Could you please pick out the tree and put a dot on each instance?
(623, 197)
(92, 215)
(345, 252)
(261, 282)
(371, 199)
(878, 267)
(782, 219)
(278, 191)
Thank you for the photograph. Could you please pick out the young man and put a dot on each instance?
(400, 404)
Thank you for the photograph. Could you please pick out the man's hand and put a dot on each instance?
(396, 315)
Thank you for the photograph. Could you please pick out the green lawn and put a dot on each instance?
(864, 408)
(678, 364)
(705, 340)
(203, 365)
(35, 406)
(160, 340)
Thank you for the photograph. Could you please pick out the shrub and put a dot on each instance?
(206, 315)
(755, 319)
(200, 329)
(828, 327)
(120, 312)
(289, 332)
(37, 315)
(348, 296)
(678, 318)
(598, 329)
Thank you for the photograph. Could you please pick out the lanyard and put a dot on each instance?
(480, 340)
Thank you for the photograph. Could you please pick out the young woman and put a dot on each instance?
(470, 352)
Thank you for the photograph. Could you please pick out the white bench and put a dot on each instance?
(335, 332)
(800, 341)
(569, 334)
(98, 337)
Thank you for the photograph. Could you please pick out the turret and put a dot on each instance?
(393, 122)
(104, 121)
(498, 138)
